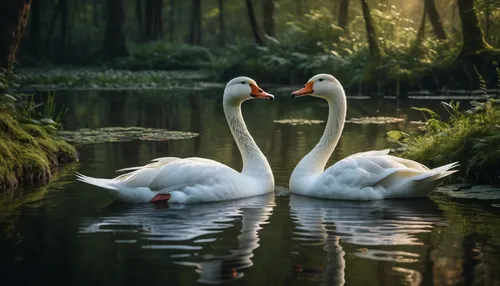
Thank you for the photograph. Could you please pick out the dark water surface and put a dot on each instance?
(69, 233)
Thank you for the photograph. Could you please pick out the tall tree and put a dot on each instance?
(195, 32)
(487, 15)
(421, 32)
(114, 39)
(63, 40)
(268, 11)
(472, 35)
(171, 24)
(34, 24)
(158, 20)
(139, 15)
(13, 19)
(435, 19)
(373, 43)
(343, 18)
(257, 34)
(153, 17)
(222, 25)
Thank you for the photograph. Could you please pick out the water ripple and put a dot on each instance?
(383, 226)
(386, 222)
(193, 229)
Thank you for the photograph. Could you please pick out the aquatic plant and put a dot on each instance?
(121, 134)
(94, 78)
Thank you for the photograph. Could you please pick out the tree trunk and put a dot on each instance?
(35, 25)
(343, 15)
(195, 33)
(420, 34)
(487, 13)
(299, 8)
(158, 20)
(435, 19)
(114, 40)
(64, 29)
(138, 13)
(268, 9)
(171, 25)
(149, 20)
(370, 30)
(52, 26)
(222, 26)
(472, 35)
(13, 19)
(257, 34)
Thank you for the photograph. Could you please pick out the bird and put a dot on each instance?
(197, 180)
(371, 175)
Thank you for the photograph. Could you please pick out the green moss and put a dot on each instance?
(29, 153)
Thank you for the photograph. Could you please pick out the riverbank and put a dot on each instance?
(470, 137)
(30, 153)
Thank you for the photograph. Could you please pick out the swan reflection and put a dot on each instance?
(388, 223)
(194, 233)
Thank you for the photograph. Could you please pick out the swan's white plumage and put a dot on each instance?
(368, 175)
(193, 180)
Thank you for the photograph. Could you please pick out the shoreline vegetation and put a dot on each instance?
(471, 137)
(30, 151)
(378, 50)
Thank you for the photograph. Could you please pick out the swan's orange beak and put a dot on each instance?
(307, 89)
(257, 92)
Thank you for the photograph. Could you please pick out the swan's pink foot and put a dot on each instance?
(160, 198)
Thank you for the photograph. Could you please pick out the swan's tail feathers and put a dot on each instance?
(103, 183)
(423, 184)
(437, 173)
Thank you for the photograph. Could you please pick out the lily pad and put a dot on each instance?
(375, 120)
(299, 121)
(480, 192)
(122, 134)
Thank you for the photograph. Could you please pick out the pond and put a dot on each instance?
(70, 233)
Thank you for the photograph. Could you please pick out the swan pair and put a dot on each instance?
(368, 175)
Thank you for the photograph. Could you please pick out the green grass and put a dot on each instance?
(470, 137)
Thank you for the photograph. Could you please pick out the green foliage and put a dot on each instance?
(165, 56)
(471, 137)
(312, 44)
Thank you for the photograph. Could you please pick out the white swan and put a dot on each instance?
(368, 175)
(192, 180)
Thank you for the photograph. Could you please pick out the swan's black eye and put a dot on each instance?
(320, 79)
(243, 82)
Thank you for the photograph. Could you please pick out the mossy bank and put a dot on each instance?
(29, 153)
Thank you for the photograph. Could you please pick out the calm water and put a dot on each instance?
(69, 233)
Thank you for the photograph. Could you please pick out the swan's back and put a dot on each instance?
(375, 175)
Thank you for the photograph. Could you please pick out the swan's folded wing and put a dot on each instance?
(358, 172)
(201, 178)
(156, 163)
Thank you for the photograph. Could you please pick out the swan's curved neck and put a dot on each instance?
(254, 162)
(314, 163)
